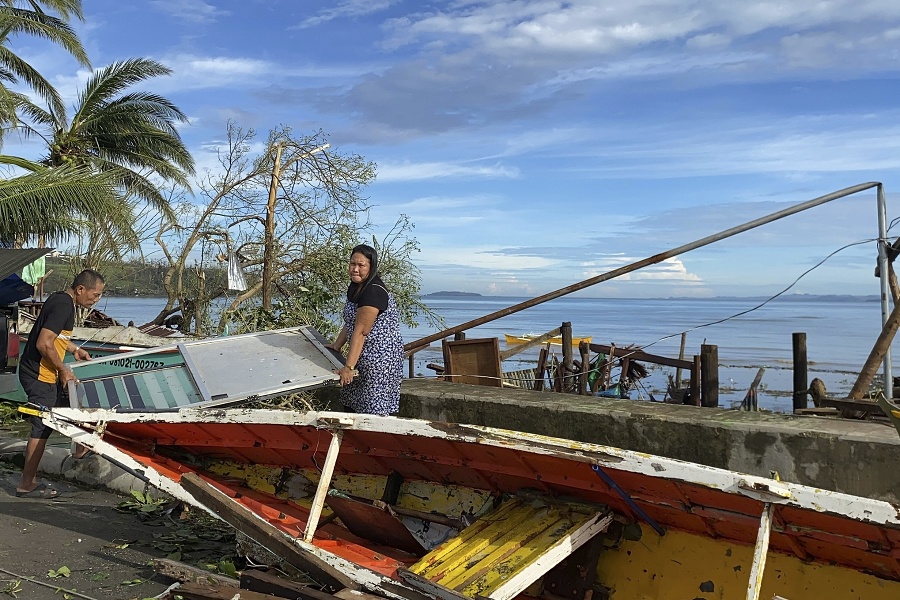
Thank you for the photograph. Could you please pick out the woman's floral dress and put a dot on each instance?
(376, 390)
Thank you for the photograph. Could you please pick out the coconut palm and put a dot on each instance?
(131, 136)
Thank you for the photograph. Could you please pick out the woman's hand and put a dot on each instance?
(346, 374)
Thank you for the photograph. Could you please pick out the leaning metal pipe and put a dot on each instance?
(646, 262)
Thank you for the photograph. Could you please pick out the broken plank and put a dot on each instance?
(268, 583)
(355, 595)
(251, 525)
(198, 591)
(185, 573)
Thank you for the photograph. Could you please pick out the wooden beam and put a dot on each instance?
(268, 583)
(199, 591)
(263, 533)
(185, 573)
(324, 483)
(640, 355)
(757, 570)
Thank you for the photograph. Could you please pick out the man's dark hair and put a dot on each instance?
(89, 278)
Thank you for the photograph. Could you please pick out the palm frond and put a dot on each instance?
(44, 26)
(45, 202)
(113, 79)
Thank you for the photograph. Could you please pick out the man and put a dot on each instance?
(43, 375)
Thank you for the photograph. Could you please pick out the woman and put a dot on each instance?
(375, 352)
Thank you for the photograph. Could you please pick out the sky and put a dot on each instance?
(535, 144)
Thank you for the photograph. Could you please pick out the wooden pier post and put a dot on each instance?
(695, 381)
(584, 348)
(680, 357)
(801, 385)
(568, 382)
(709, 375)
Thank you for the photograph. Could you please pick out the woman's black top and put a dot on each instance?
(374, 294)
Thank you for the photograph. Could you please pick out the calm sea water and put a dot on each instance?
(840, 335)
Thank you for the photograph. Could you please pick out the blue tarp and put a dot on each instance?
(13, 289)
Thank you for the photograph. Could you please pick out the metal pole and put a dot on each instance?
(885, 287)
(716, 237)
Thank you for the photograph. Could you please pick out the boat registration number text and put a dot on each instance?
(136, 363)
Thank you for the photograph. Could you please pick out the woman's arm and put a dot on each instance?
(365, 319)
(340, 340)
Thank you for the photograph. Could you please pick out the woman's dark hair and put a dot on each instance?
(372, 254)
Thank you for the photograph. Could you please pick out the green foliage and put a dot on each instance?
(32, 18)
(141, 502)
(11, 587)
(9, 413)
(63, 571)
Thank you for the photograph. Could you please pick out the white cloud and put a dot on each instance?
(196, 11)
(441, 170)
(347, 9)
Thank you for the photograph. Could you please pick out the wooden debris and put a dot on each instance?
(355, 595)
(266, 582)
(245, 521)
(185, 573)
(197, 591)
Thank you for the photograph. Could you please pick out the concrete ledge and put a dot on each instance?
(92, 471)
(855, 457)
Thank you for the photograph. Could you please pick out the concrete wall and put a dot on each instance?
(856, 457)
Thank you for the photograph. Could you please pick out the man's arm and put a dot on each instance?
(46, 346)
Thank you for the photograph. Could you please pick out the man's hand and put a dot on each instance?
(81, 354)
(65, 376)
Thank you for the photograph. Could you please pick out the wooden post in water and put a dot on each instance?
(568, 382)
(695, 381)
(584, 348)
(459, 336)
(709, 375)
(680, 357)
(801, 384)
(540, 372)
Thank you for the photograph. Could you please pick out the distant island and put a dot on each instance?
(451, 295)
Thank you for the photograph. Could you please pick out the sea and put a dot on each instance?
(840, 333)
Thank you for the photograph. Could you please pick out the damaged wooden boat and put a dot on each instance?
(417, 509)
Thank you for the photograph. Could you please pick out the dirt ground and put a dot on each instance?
(106, 551)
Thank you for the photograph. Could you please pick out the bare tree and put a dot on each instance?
(291, 214)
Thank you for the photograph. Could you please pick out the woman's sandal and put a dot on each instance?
(40, 492)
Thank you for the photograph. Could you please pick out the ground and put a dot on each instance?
(105, 550)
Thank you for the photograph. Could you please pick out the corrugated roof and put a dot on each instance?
(12, 260)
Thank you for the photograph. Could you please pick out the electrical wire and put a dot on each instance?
(48, 585)
(764, 302)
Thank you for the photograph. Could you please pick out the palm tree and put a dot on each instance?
(131, 136)
(29, 17)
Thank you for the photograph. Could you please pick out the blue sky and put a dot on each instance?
(537, 143)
